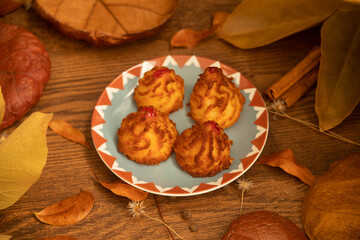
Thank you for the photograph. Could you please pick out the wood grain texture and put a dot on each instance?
(79, 74)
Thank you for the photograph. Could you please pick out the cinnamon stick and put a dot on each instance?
(311, 61)
(300, 88)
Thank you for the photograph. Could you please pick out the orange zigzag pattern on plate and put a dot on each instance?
(181, 60)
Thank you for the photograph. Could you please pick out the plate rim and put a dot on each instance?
(127, 176)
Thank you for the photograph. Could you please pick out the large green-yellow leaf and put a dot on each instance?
(338, 88)
(2, 106)
(256, 23)
(22, 157)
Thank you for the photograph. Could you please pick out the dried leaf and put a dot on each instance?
(67, 131)
(107, 22)
(331, 207)
(255, 23)
(338, 88)
(352, 1)
(2, 106)
(5, 237)
(189, 38)
(7, 6)
(58, 238)
(286, 161)
(24, 71)
(68, 211)
(22, 157)
(121, 188)
(219, 18)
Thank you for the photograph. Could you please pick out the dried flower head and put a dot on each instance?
(277, 105)
(244, 184)
(136, 208)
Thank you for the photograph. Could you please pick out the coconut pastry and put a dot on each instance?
(147, 136)
(161, 88)
(216, 98)
(203, 150)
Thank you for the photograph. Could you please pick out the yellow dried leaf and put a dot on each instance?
(68, 211)
(5, 237)
(22, 157)
(67, 131)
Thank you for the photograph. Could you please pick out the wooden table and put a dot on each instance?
(79, 74)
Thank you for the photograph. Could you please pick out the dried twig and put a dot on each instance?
(161, 216)
(314, 127)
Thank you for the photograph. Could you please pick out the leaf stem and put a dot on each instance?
(158, 220)
(161, 216)
(315, 127)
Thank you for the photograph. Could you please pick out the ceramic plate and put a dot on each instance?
(248, 134)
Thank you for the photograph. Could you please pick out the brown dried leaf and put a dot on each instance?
(58, 238)
(286, 161)
(256, 23)
(21, 84)
(331, 207)
(189, 38)
(121, 188)
(68, 211)
(337, 91)
(67, 131)
(107, 22)
(7, 6)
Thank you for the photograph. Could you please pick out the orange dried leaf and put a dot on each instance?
(67, 131)
(286, 161)
(189, 38)
(58, 238)
(219, 18)
(121, 188)
(68, 211)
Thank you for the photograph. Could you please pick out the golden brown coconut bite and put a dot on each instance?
(147, 136)
(216, 98)
(203, 150)
(161, 88)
